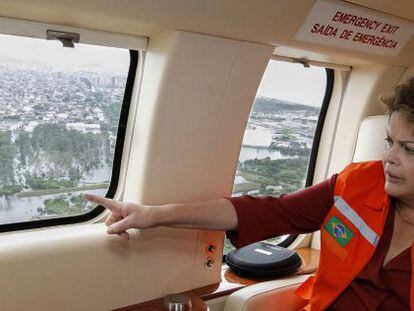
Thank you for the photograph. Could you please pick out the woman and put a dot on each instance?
(365, 214)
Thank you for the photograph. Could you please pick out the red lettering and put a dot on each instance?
(365, 38)
(371, 39)
(347, 18)
(353, 19)
(374, 40)
(325, 30)
(320, 30)
(377, 25)
(357, 36)
(342, 18)
(390, 29)
(336, 16)
(315, 28)
(358, 21)
(346, 34)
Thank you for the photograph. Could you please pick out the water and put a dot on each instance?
(256, 144)
(259, 137)
(14, 209)
(239, 180)
(249, 153)
(100, 175)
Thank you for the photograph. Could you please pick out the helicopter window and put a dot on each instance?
(60, 112)
(279, 138)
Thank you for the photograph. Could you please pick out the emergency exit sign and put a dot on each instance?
(340, 24)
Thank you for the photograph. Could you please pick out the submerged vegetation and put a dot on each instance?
(65, 205)
(288, 174)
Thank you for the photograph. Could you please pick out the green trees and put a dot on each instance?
(65, 205)
(37, 183)
(263, 104)
(112, 113)
(23, 143)
(48, 158)
(7, 153)
(289, 173)
(68, 153)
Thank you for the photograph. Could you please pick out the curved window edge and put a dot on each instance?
(315, 144)
(126, 103)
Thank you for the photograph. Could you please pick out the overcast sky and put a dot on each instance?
(52, 53)
(293, 82)
(286, 81)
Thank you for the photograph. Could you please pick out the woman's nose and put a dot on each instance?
(390, 155)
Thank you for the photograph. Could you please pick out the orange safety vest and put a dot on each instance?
(350, 234)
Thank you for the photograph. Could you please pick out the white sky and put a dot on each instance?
(52, 53)
(293, 82)
(286, 81)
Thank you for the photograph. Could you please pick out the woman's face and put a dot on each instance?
(399, 158)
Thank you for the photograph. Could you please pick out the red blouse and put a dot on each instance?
(376, 287)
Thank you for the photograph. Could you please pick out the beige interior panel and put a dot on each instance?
(361, 100)
(192, 155)
(409, 73)
(195, 98)
(329, 127)
(82, 268)
(269, 22)
(11, 26)
(400, 8)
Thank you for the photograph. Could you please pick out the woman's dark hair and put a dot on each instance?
(402, 100)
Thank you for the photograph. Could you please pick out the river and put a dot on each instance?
(14, 209)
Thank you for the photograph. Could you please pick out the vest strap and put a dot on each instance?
(349, 213)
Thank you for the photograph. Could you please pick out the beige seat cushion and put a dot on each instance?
(277, 295)
(370, 141)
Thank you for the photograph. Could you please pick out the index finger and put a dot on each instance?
(110, 204)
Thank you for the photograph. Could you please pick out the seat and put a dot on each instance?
(271, 295)
(278, 295)
(370, 140)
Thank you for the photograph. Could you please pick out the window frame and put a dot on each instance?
(316, 142)
(116, 167)
(315, 145)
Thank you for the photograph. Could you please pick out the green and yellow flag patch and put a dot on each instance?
(339, 231)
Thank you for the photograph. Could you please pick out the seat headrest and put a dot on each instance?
(370, 141)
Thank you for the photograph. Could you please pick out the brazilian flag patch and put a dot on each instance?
(337, 229)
